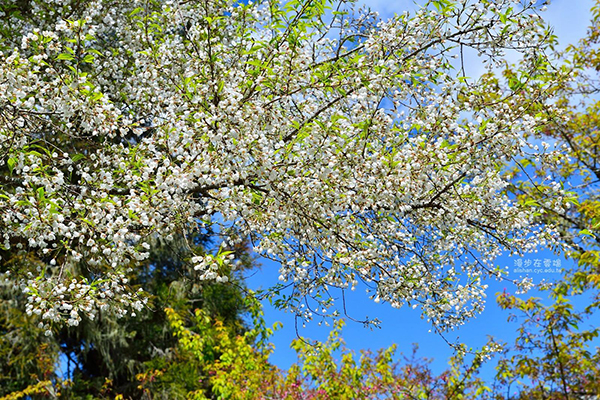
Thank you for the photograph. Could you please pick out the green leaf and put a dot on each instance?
(65, 56)
(11, 164)
(89, 59)
(87, 221)
(77, 157)
(135, 11)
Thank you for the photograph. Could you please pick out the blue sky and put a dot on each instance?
(404, 326)
(570, 19)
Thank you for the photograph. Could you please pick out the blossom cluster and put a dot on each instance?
(349, 150)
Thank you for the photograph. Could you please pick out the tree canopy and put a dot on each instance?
(148, 149)
(347, 148)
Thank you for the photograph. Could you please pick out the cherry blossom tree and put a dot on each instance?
(347, 148)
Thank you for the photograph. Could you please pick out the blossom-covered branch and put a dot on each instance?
(345, 147)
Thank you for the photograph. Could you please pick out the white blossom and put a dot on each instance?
(348, 154)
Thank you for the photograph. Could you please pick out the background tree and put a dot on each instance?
(323, 371)
(554, 356)
(101, 358)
